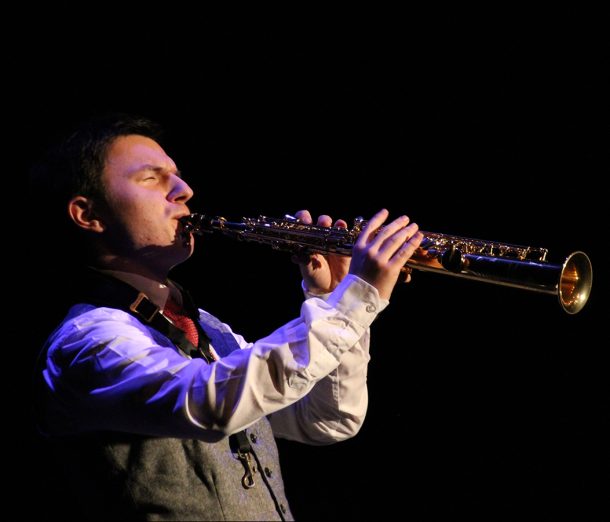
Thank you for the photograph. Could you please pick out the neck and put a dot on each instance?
(129, 265)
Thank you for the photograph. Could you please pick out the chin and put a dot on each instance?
(185, 250)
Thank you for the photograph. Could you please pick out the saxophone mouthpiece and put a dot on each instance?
(193, 223)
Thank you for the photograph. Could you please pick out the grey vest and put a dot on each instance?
(132, 477)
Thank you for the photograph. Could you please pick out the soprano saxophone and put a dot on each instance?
(517, 266)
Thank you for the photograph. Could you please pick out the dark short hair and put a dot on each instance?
(75, 166)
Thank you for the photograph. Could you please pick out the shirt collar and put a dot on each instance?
(157, 292)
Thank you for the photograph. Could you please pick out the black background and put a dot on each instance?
(484, 401)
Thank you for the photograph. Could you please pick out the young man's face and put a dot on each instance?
(145, 199)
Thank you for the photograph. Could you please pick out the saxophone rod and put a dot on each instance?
(494, 262)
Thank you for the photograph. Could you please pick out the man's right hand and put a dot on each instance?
(379, 254)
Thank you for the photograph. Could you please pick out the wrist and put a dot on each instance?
(313, 291)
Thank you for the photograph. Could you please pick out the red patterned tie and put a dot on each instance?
(182, 321)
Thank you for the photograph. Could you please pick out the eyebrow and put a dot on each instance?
(155, 168)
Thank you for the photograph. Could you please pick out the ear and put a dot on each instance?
(82, 213)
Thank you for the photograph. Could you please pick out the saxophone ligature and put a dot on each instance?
(517, 266)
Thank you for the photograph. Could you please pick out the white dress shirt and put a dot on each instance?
(105, 370)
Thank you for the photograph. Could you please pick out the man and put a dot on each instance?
(162, 416)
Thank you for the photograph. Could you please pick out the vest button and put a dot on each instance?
(253, 437)
(283, 508)
(268, 472)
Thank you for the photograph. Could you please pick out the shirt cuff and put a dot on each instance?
(355, 298)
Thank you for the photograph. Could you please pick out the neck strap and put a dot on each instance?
(104, 290)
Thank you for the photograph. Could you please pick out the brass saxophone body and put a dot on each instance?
(494, 262)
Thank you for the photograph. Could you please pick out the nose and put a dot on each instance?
(180, 192)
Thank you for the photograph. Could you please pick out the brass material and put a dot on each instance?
(494, 262)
